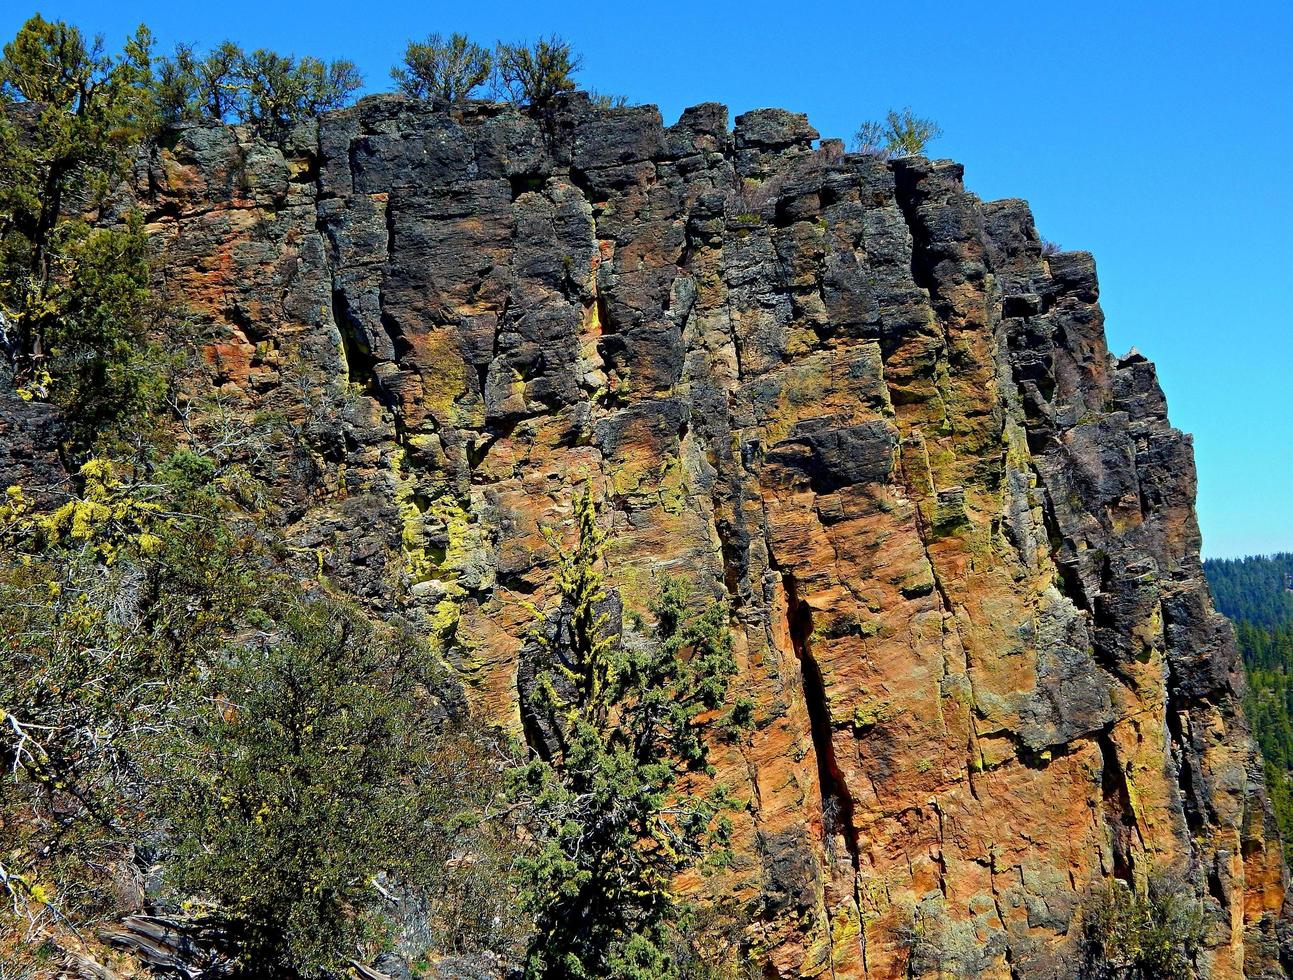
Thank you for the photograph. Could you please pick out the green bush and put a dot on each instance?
(69, 115)
(262, 87)
(443, 70)
(901, 134)
(1153, 932)
(281, 89)
(309, 773)
(535, 74)
(101, 363)
(106, 602)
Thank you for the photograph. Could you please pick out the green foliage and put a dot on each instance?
(443, 70)
(74, 301)
(310, 772)
(1150, 933)
(611, 825)
(68, 117)
(1257, 594)
(710, 943)
(1257, 590)
(104, 602)
(535, 74)
(262, 87)
(281, 89)
(191, 87)
(168, 690)
(902, 133)
(288, 762)
(604, 100)
(101, 364)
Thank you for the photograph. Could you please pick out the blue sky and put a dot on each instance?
(1156, 135)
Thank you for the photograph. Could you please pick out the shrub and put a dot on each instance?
(309, 770)
(443, 71)
(902, 133)
(1149, 933)
(604, 100)
(281, 90)
(264, 87)
(190, 87)
(537, 73)
(105, 602)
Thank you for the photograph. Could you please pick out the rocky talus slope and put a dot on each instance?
(957, 535)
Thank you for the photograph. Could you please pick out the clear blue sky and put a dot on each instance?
(1157, 135)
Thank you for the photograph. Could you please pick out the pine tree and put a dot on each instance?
(610, 823)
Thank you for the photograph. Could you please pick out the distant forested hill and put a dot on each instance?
(1256, 590)
(1257, 594)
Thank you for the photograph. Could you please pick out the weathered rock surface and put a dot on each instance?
(957, 535)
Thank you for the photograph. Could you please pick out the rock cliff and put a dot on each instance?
(958, 536)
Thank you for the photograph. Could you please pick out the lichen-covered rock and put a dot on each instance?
(957, 536)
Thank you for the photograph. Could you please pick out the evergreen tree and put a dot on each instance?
(69, 115)
(310, 769)
(610, 820)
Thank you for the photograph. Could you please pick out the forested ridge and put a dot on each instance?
(1257, 594)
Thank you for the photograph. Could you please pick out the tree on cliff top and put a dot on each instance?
(537, 73)
(263, 87)
(902, 134)
(443, 70)
(602, 798)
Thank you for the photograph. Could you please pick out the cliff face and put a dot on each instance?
(957, 535)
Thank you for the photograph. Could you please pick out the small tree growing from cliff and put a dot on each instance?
(443, 70)
(537, 73)
(73, 301)
(1151, 932)
(601, 797)
(901, 134)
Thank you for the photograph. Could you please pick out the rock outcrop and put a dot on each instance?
(957, 535)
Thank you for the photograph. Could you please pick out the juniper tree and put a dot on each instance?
(69, 114)
(195, 87)
(611, 823)
(280, 89)
(106, 601)
(311, 769)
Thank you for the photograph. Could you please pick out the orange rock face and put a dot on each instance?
(839, 393)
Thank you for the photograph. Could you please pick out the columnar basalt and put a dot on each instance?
(958, 536)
